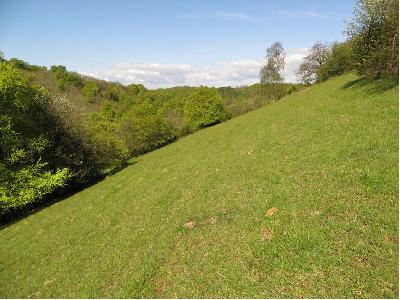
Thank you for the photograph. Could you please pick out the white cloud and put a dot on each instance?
(300, 13)
(294, 57)
(233, 16)
(225, 73)
(223, 15)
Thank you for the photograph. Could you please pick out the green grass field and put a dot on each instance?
(326, 158)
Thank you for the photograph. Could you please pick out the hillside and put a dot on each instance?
(88, 94)
(325, 157)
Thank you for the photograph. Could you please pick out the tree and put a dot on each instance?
(338, 61)
(203, 108)
(308, 69)
(90, 90)
(135, 89)
(374, 34)
(64, 77)
(103, 128)
(144, 129)
(25, 137)
(271, 72)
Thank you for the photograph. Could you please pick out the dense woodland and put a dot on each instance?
(59, 129)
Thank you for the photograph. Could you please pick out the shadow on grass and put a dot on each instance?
(377, 86)
(57, 196)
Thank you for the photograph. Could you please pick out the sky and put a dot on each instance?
(167, 43)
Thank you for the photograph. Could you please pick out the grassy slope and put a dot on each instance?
(326, 157)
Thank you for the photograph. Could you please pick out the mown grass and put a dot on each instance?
(326, 158)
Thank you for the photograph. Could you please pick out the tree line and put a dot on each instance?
(371, 48)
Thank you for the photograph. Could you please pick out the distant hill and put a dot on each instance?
(237, 100)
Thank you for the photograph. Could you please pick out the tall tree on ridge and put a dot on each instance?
(271, 72)
(307, 72)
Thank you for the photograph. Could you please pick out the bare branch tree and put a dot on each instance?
(307, 72)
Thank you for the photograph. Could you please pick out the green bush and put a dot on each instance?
(338, 61)
(172, 113)
(203, 108)
(90, 90)
(64, 77)
(144, 129)
(24, 113)
(135, 89)
(374, 36)
(72, 145)
(28, 184)
(104, 131)
(23, 65)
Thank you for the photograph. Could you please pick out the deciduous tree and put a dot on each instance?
(307, 71)
(374, 34)
(271, 71)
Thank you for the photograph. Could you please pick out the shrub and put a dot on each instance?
(374, 36)
(338, 62)
(90, 90)
(64, 77)
(104, 131)
(135, 89)
(203, 108)
(24, 139)
(22, 65)
(172, 113)
(72, 145)
(27, 185)
(144, 129)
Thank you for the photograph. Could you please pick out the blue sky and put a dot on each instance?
(164, 43)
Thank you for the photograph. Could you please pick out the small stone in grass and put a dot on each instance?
(189, 225)
(213, 220)
(271, 211)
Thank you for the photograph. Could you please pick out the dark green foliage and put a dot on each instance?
(172, 111)
(25, 138)
(372, 49)
(337, 63)
(104, 131)
(72, 146)
(23, 65)
(144, 129)
(135, 89)
(203, 108)
(90, 90)
(240, 100)
(113, 92)
(374, 35)
(43, 145)
(64, 77)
